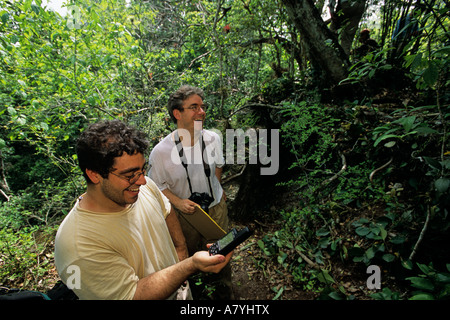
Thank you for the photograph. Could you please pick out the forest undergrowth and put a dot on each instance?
(359, 206)
(363, 191)
(368, 190)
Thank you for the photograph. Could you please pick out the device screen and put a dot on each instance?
(226, 240)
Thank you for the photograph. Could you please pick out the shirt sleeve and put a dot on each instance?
(157, 171)
(163, 200)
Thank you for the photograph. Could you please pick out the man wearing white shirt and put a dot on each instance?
(177, 166)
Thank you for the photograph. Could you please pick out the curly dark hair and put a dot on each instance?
(101, 142)
(176, 99)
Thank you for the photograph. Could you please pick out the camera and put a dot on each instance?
(202, 199)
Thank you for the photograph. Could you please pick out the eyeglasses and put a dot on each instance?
(196, 108)
(134, 177)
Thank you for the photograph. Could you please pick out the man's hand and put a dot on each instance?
(186, 206)
(161, 284)
(206, 263)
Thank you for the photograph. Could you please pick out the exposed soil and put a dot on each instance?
(253, 282)
(258, 277)
(254, 276)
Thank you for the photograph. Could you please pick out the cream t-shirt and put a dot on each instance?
(105, 254)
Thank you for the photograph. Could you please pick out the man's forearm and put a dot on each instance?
(172, 198)
(176, 233)
(162, 284)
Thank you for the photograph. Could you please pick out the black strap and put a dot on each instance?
(206, 166)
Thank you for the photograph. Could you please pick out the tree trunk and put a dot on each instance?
(347, 16)
(4, 188)
(322, 47)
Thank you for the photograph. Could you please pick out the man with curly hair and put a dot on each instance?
(122, 237)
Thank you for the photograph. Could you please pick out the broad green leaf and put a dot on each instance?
(322, 232)
(422, 296)
(362, 231)
(421, 283)
(384, 137)
(430, 74)
(383, 233)
(428, 270)
(324, 276)
(335, 295)
(417, 61)
(425, 130)
(282, 257)
(261, 244)
(407, 122)
(407, 264)
(443, 277)
(388, 257)
(279, 292)
(399, 239)
(442, 184)
(433, 163)
(370, 253)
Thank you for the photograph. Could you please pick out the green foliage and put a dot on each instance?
(110, 59)
(386, 294)
(367, 67)
(107, 59)
(375, 206)
(308, 131)
(28, 223)
(291, 246)
(121, 59)
(17, 212)
(399, 129)
(24, 259)
(432, 285)
(46, 206)
(420, 137)
(374, 232)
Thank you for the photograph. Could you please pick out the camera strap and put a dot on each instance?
(206, 167)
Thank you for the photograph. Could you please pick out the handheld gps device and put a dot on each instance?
(229, 242)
